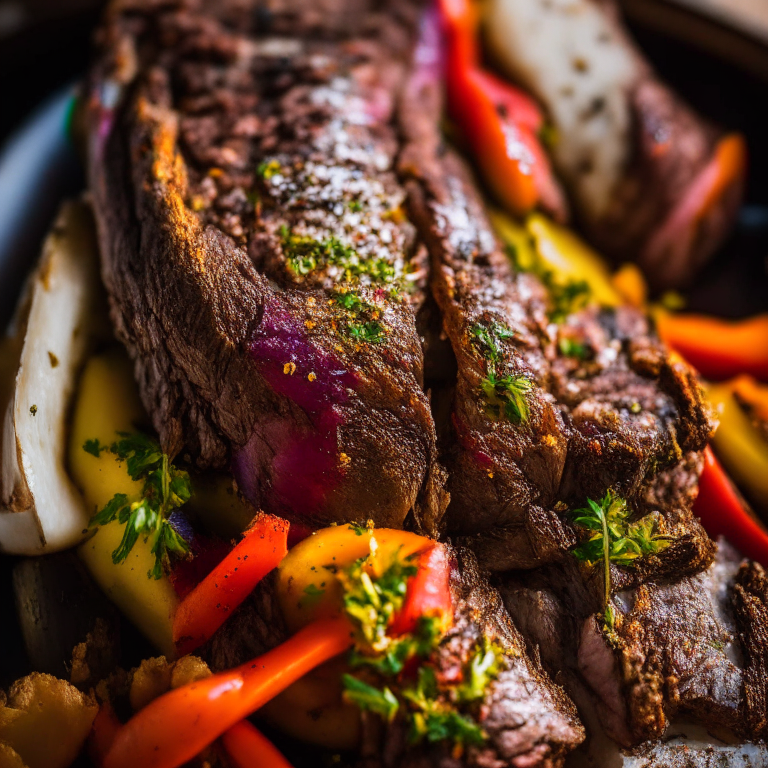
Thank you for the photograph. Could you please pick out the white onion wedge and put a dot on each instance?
(40, 508)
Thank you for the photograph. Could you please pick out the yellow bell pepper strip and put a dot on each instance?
(247, 747)
(178, 725)
(212, 601)
(723, 512)
(739, 444)
(718, 349)
(499, 122)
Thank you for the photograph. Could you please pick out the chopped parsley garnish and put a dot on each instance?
(573, 348)
(506, 396)
(433, 710)
(166, 488)
(489, 338)
(305, 254)
(614, 539)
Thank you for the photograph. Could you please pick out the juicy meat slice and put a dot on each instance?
(529, 720)
(256, 258)
(613, 420)
(685, 649)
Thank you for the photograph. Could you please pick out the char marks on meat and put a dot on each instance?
(614, 420)
(259, 268)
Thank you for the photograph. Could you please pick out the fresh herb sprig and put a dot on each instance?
(504, 395)
(431, 709)
(614, 539)
(165, 489)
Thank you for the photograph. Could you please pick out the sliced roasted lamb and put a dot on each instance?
(255, 251)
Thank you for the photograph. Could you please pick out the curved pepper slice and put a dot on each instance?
(500, 122)
(723, 513)
(178, 725)
(212, 601)
(247, 747)
(739, 444)
(718, 349)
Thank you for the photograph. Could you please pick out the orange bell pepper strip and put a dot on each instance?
(753, 394)
(428, 593)
(723, 512)
(499, 121)
(212, 601)
(247, 747)
(176, 726)
(718, 349)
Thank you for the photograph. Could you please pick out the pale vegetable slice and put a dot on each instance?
(46, 721)
(107, 402)
(40, 508)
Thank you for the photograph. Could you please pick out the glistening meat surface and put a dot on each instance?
(258, 264)
(533, 431)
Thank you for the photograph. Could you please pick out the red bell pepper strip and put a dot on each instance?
(723, 512)
(176, 726)
(103, 732)
(247, 747)
(428, 593)
(718, 349)
(212, 601)
(499, 121)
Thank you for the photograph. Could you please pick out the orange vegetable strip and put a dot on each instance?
(723, 512)
(212, 601)
(176, 726)
(718, 349)
(754, 394)
(105, 728)
(247, 747)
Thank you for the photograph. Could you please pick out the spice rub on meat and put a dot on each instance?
(259, 267)
(534, 430)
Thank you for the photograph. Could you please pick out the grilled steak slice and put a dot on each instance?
(681, 649)
(255, 254)
(534, 431)
(529, 720)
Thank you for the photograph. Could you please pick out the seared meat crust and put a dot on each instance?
(614, 420)
(229, 168)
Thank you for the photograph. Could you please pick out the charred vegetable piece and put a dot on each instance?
(740, 444)
(651, 180)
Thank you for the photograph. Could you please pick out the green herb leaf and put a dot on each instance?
(506, 396)
(614, 538)
(165, 488)
(94, 447)
(379, 700)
